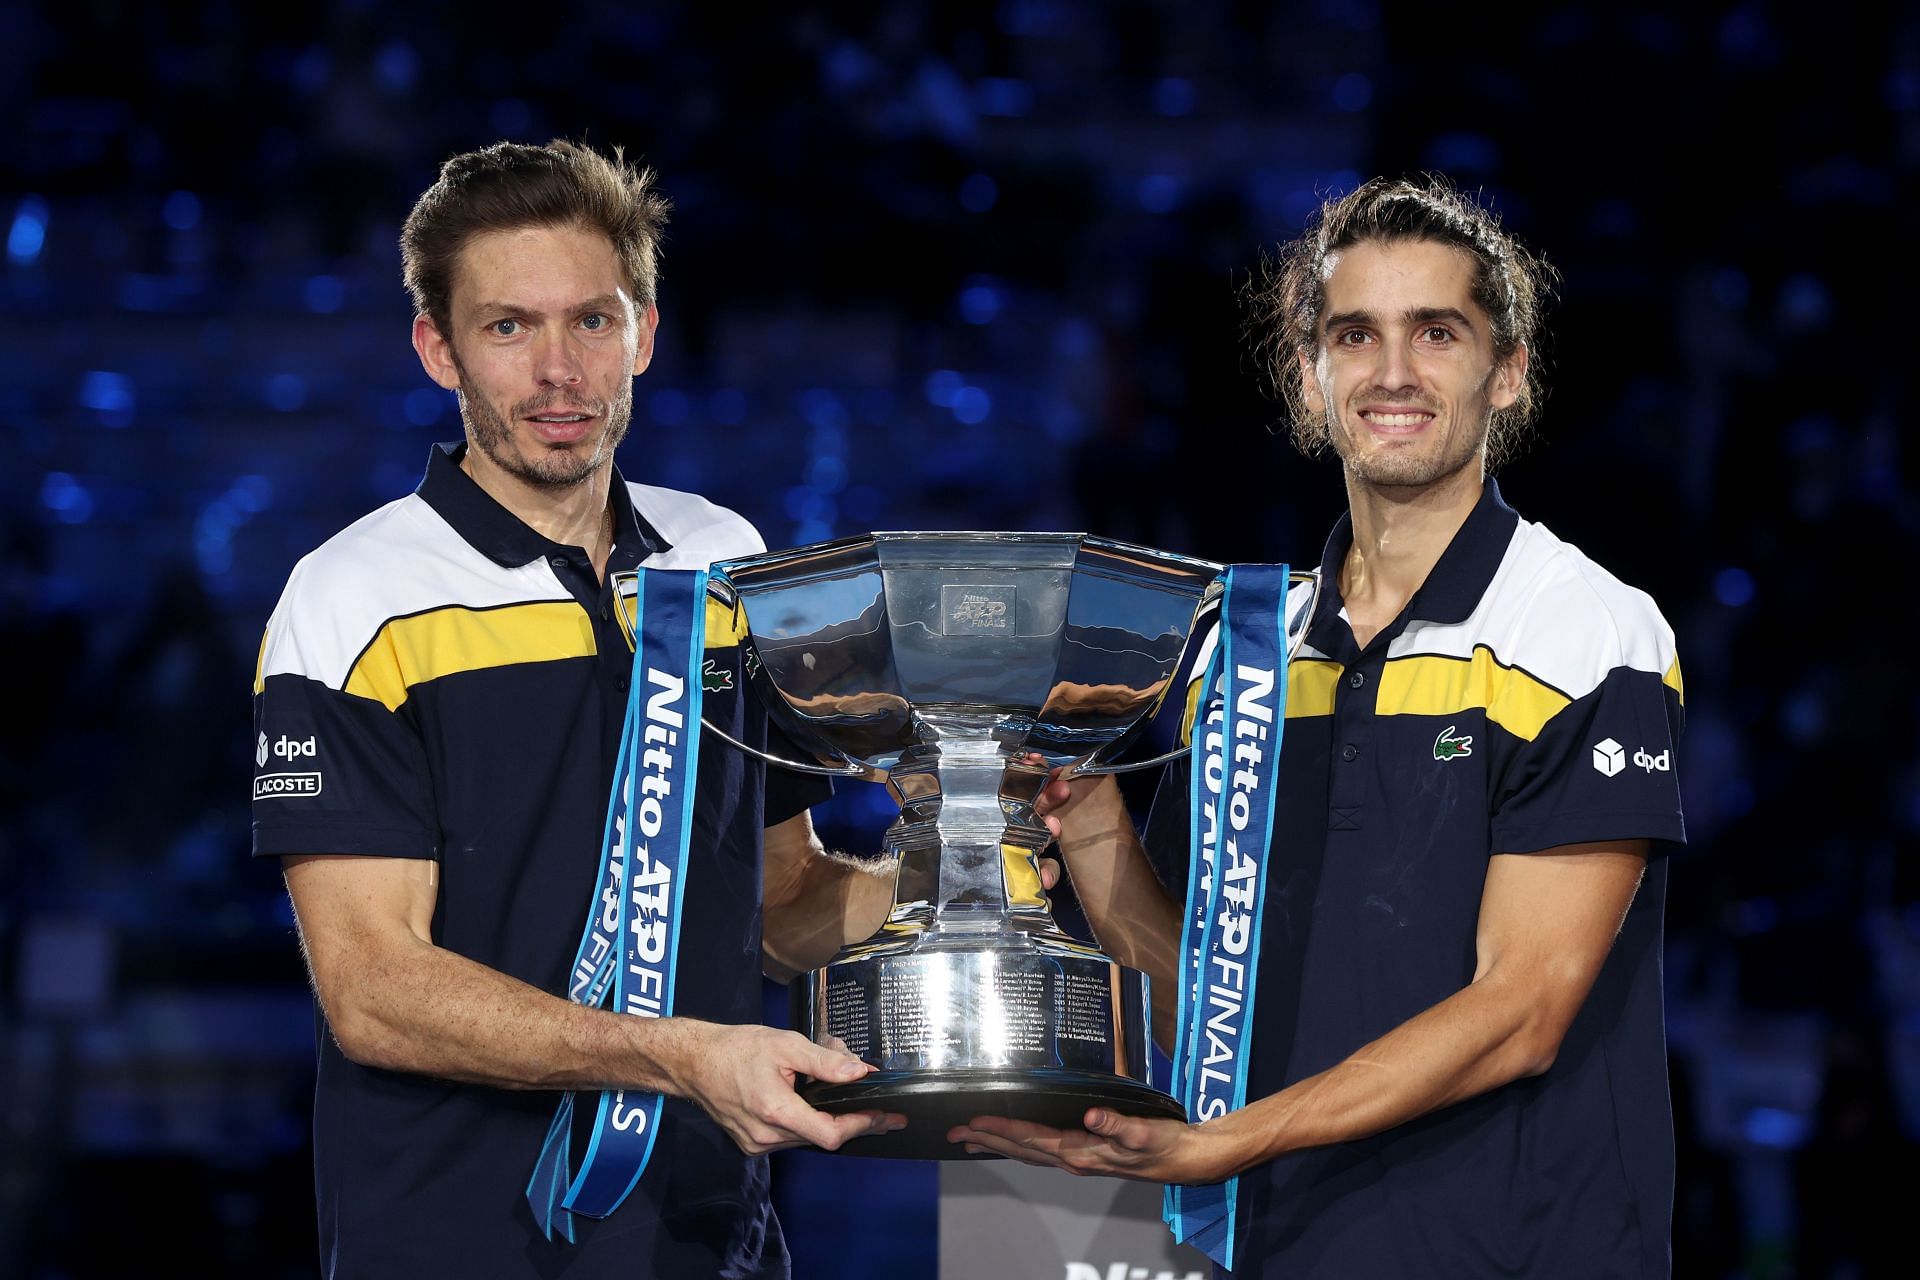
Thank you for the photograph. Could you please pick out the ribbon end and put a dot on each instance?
(1202, 1217)
(549, 1181)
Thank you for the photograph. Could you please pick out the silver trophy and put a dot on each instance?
(945, 665)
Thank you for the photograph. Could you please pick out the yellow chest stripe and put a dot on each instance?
(411, 651)
(427, 646)
(1310, 684)
(1429, 685)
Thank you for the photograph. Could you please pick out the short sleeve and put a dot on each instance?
(335, 772)
(1605, 767)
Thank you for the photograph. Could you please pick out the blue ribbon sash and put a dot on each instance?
(1236, 737)
(627, 953)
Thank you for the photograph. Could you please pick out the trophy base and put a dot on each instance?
(935, 1101)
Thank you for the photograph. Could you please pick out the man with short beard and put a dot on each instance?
(438, 708)
(1458, 1063)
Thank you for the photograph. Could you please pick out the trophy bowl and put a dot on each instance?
(958, 669)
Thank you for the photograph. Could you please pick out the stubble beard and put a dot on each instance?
(550, 468)
(1391, 468)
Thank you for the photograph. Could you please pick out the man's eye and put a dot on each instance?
(505, 328)
(1439, 333)
(1352, 338)
(594, 322)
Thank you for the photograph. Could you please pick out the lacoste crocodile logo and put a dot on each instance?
(1448, 747)
(714, 679)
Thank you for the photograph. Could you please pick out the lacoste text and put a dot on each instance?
(286, 784)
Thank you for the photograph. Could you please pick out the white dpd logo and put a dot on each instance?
(1662, 762)
(260, 751)
(1609, 757)
(293, 748)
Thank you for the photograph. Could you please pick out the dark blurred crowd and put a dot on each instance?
(941, 266)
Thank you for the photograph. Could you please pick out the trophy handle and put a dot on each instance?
(721, 590)
(1087, 769)
(1298, 621)
(847, 770)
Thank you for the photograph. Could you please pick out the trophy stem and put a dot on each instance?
(966, 839)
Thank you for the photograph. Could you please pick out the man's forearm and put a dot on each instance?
(1547, 921)
(408, 1005)
(825, 901)
(1480, 1038)
(1477, 1039)
(1134, 918)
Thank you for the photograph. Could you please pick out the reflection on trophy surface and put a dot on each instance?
(940, 663)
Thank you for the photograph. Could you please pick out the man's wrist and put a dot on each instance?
(1235, 1144)
(1100, 813)
(668, 1051)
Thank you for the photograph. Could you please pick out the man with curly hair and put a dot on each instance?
(1458, 1063)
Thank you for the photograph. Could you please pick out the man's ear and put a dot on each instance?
(649, 325)
(1509, 377)
(436, 355)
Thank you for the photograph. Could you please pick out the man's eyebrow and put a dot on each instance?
(599, 302)
(1451, 315)
(1416, 315)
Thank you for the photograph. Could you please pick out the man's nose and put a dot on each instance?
(1396, 370)
(557, 361)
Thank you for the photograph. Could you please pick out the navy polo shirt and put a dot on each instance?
(1525, 699)
(441, 681)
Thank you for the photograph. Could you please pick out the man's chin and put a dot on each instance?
(1392, 473)
(563, 467)
(569, 474)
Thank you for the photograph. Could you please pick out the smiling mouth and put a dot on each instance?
(1396, 420)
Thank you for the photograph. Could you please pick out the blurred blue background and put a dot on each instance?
(940, 265)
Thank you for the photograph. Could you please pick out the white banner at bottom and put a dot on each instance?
(1002, 1220)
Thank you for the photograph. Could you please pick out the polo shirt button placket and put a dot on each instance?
(1355, 680)
(1352, 735)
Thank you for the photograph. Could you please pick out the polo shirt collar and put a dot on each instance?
(504, 537)
(1459, 579)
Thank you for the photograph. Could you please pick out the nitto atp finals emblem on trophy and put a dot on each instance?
(938, 663)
